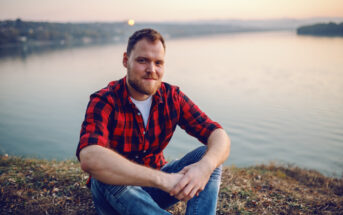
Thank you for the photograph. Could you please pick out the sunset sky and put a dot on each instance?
(166, 10)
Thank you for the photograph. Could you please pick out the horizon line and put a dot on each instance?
(176, 21)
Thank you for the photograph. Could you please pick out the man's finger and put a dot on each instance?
(185, 197)
(186, 191)
(184, 170)
(180, 196)
(193, 192)
(179, 186)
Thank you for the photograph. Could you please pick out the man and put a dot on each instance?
(129, 123)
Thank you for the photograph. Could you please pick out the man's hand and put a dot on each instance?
(194, 180)
(169, 181)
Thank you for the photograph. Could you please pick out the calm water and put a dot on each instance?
(278, 95)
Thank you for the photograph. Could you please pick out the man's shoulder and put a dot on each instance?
(111, 91)
(112, 87)
(167, 88)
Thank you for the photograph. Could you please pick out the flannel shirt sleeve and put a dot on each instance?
(94, 129)
(194, 121)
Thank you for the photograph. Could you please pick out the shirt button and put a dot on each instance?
(137, 156)
(144, 132)
(144, 151)
(138, 113)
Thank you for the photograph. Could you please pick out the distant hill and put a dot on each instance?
(322, 29)
(19, 32)
(28, 34)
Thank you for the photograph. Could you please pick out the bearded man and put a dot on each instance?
(127, 126)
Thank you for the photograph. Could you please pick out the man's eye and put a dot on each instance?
(141, 60)
(159, 63)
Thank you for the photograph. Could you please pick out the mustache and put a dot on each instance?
(150, 76)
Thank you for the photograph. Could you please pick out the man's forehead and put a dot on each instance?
(144, 42)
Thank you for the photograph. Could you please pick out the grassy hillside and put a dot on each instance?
(31, 186)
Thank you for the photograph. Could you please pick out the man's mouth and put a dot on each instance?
(149, 78)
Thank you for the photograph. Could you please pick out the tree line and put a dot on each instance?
(16, 32)
(322, 29)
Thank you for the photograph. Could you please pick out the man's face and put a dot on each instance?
(145, 68)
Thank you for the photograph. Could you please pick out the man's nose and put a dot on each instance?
(151, 67)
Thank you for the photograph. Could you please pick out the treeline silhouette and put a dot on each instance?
(35, 34)
(23, 33)
(322, 29)
(17, 32)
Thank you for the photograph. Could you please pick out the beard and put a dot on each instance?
(144, 88)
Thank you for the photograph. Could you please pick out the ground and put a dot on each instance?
(33, 186)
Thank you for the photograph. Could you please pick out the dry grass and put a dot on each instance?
(31, 186)
(279, 190)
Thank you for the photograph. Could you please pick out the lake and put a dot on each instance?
(278, 95)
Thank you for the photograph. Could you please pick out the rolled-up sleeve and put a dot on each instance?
(194, 121)
(94, 129)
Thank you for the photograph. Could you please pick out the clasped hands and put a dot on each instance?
(190, 181)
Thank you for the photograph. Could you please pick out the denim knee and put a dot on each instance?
(200, 152)
(195, 155)
(217, 173)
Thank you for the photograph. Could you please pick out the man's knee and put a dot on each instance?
(99, 188)
(217, 173)
(200, 152)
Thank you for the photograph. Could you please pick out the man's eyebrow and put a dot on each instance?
(141, 58)
(147, 58)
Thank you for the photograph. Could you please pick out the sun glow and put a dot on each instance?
(131, 22)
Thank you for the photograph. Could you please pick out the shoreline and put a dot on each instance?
(34, 186)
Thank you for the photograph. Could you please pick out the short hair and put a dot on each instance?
(147, 33)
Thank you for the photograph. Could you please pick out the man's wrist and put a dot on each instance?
(208, 163)
(160, 180)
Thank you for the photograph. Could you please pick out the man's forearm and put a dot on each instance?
(110, 167)
(218, 148)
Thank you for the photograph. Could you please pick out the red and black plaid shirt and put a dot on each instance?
(113, 121)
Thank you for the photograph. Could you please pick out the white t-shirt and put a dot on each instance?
(144, 108)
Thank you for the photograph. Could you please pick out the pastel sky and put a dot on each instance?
(166, 10)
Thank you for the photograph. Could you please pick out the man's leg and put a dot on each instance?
(206, 202)
(111, 199)
(148, 200)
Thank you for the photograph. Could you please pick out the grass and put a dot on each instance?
(32, 186)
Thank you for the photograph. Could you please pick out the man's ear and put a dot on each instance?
(125, 59)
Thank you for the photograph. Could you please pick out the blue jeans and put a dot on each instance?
(113, 199)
